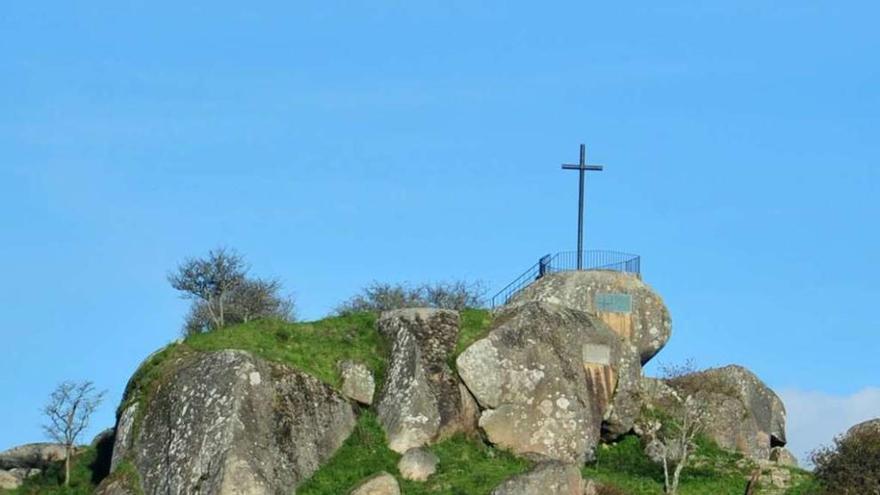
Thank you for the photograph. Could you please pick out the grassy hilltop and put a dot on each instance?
(468, 466)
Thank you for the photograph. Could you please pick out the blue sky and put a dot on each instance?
(339, 143)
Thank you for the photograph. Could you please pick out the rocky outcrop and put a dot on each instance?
(20, 463)
(870, 425)
(744, 414)
(358, 383)
(550, 478)
(421, 400)
(628, 305)
(546, 377)
(32, 456)
(418, 464)
(379, 484)
(228, 422)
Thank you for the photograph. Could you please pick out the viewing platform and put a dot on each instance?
(568, 261)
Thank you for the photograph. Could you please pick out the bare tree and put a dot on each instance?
(210, 280)
(69, 409)
(252, 299)
(259, 298)
(676, 439)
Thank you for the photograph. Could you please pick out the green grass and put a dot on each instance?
(85, 474)
(713, 471)
(467, 466)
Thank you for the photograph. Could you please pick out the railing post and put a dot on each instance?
(543, 265)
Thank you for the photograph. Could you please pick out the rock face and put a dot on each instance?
(357, 382)
(628, 305)
(546, 376)
(549, 478)
(380, 484)
(418, 464)
(421, 400)
(227, 423)
(745, 415)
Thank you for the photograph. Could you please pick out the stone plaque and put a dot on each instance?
(613, 303)
(596, 354)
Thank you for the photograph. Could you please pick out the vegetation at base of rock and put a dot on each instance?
(624, 465)
(86, 471)
(852, 465)
(467, 466)
(379, 296)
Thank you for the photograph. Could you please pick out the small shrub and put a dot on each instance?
(378, 297)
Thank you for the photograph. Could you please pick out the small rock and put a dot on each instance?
(379, 484)
(116, 486)
(550, 478)
(9, 481)
(783, 457)
(357, 382)
(418, 464)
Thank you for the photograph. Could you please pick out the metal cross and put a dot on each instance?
(582, 167)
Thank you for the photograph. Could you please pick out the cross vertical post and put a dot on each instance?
(582, 168)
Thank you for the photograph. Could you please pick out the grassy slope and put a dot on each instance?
(467, 466)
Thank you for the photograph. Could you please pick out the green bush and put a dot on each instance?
(852, 465)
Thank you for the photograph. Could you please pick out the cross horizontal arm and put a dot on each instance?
(568, 166)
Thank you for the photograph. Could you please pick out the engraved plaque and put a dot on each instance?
(613, 303)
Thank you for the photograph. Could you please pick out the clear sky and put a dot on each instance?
(336, 143)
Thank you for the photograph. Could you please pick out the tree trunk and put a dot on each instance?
(753, 482)
(67, 466)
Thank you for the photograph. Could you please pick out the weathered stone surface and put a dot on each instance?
(31, 456)
(546, 376)
(421, 401)
(745, 415)
(783, 457)
(379, 484)
(550, 478)
(418, 464)
(647, 325)
(123, 436)
(357, 382)
(873, 424)
(228, 423)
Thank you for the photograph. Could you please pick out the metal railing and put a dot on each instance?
(567, 261)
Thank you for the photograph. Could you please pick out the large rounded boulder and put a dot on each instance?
(628, 305)
(229, 422)
(547, 378)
